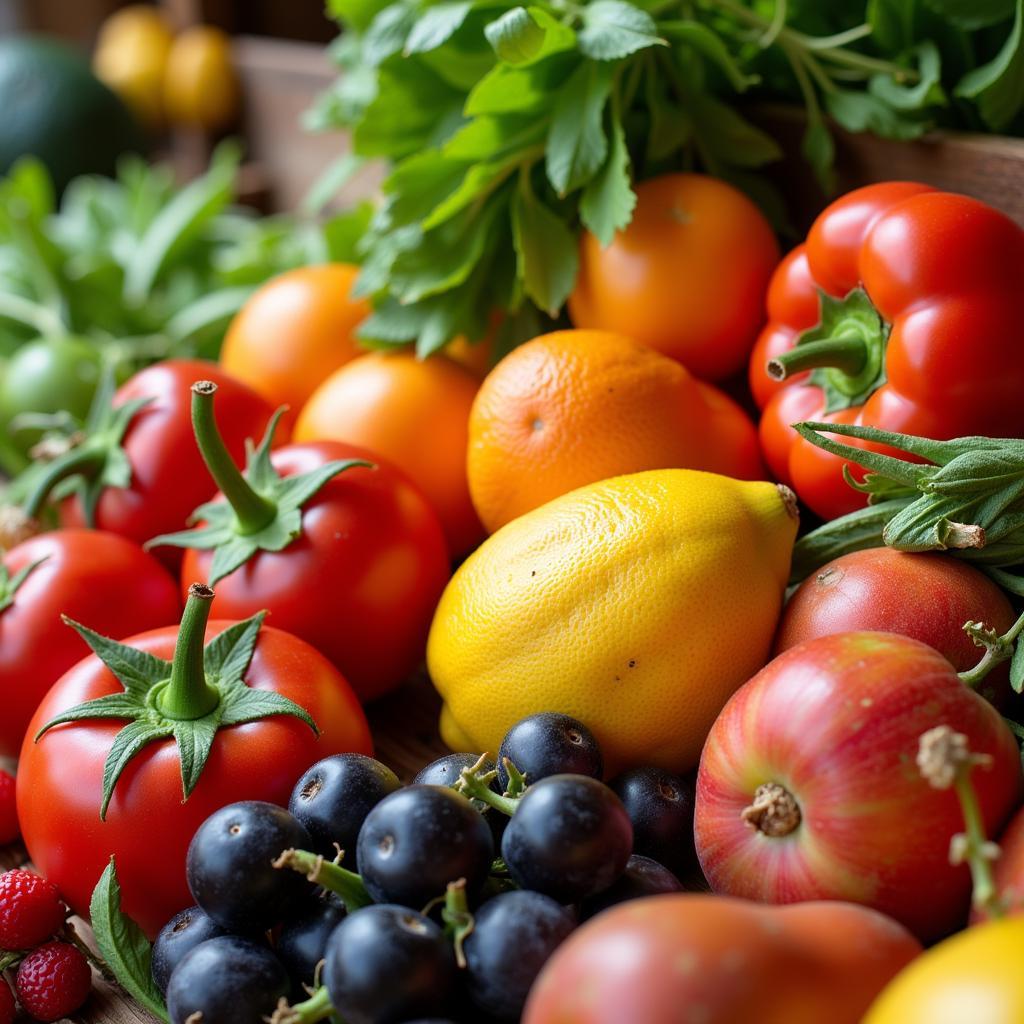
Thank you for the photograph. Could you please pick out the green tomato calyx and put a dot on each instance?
(189, 699)
(260, 510)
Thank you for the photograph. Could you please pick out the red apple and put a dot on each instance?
(925, 596)
(808, 786)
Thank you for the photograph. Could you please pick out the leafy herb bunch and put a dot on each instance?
(511, 128)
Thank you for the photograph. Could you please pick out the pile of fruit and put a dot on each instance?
(718, 581)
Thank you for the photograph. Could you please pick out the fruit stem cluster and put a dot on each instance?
(998, 648)
(328, 874)
(318, 1007)
(475, 783)
(945, 761)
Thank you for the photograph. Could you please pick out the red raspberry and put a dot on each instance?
(30, 910)
(53, 981)
(7, 1009)
(9, 830)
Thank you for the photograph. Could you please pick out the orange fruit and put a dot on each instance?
(413, 412)
(294, 332)
(687, 277)
(574, 407)
(201, 87)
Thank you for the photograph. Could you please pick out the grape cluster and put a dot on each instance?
(464, 883)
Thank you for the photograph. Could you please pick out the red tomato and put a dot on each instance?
(824, 739)
(693, 957)
(36, 648)
(148, 825)
(361, 582)
(168, 478)
(925, 596)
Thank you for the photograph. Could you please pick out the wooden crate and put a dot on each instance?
(281, 80)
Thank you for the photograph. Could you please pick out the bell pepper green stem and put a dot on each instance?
(252, 511)
(845, 352)
(188, 695)
(997, 649)
(85, 461)
(332, 877)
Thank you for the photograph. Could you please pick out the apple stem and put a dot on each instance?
(945, 761)
(774, 811)
(998, 648)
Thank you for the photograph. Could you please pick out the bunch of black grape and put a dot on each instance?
(466, 882)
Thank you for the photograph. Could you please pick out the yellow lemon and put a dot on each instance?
(973, 978)
(638, 605)
(200, 84)
(131, 56)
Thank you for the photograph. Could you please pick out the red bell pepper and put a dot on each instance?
(901, 311)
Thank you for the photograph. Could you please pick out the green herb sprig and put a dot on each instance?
(511, 128)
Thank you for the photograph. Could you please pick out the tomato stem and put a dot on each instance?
(84, 461)
(188, 695)
(252, 510)
(846, 352)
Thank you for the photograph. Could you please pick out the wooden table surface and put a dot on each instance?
(405, 733)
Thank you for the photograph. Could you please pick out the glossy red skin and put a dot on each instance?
(169, 478)
(360, 584)
(36, 647)
(946, 272)
(837, 721)
(689, 956)
(148, 825)
(928, 597)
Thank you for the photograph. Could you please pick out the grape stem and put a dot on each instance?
(475, 783)
(318, 1007)
(331, 876)
(997, 649)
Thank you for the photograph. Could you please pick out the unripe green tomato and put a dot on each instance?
(48, 375)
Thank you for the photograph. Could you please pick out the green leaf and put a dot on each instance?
(546, 251)
(973, 14)
(387, 33)
(9, 584)
(998, 86)
(865, 112)
(245, 704)
(228, 654)
(195, 741)
(608, 200)
(819, 150)
(128, 742)
(111, 705)
(436, 26)
(729, 136)
(709, 44)
(135, 669)
(179, 222)
(576, 143)
(445, 257)
(926, 92)
(344, 233)
(521, 90)
(393, 323)
(481, 179)
(515, 36)
(614, 29)
(123, 945)
(334, 178)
